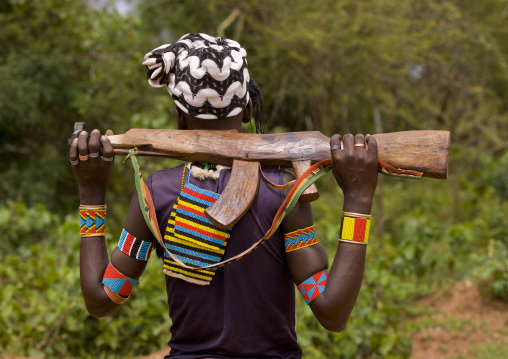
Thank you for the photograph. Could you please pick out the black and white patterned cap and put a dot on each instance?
(206, 76)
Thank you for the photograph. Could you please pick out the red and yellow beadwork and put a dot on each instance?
(354, 229)
(192, 238)
(300, 239)
(92, 221)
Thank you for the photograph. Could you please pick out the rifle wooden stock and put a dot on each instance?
(422, 151)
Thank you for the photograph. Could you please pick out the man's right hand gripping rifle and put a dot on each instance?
(92, 160)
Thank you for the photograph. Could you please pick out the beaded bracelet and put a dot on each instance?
(313, 286)
(354, 228)
(115, 297)
(300, 239)
(117, 286)
(92, 220)
(134, 247)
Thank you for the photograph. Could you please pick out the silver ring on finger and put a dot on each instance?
(335, 147)
(108, 159)
(94, 155)
(74, 163)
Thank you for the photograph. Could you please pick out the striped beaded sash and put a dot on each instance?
(192, 238)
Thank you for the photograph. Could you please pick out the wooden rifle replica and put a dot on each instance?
(410, 154)
(417, 153)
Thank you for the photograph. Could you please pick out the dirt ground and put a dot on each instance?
(461, 323)
(458, 324)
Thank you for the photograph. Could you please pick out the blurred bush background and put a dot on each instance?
(334, 66)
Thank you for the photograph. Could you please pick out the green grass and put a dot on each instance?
(488, 351)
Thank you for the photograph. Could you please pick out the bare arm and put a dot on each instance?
(355, 170)
(93, 175)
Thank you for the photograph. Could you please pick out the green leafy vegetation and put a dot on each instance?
(359, 66)
(43, 312)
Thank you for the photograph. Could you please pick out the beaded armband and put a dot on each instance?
(115, 297)
(117, 286)
(312, 287)
(92, 221)
(354, 228)
(134, 247)
(300, 239)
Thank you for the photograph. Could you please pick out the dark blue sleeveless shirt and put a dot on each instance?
(248, 310)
